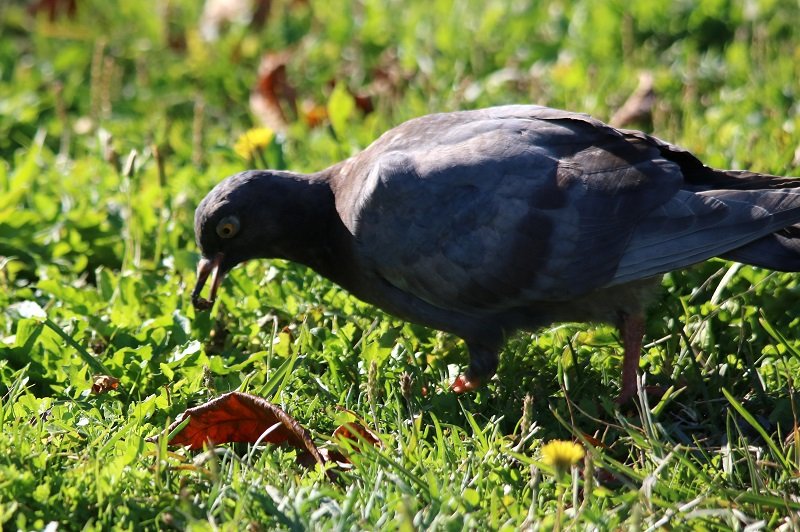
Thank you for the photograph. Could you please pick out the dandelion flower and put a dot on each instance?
(252, 141)
(562, 454)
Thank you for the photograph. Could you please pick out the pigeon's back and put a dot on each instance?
(484, 211)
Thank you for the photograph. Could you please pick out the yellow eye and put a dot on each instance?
(228, 227)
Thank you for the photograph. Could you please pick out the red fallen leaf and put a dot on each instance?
(355, 432)
(54, 8)
(639, 105)
(104, 383)
(363, 102)
(260, 14)
(352, 431)
(313, 114)
(333, 455)
(273, 94)
(594, 442)
(241, 417)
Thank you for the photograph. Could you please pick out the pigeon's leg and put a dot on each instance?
(482, 366)
(632, 329)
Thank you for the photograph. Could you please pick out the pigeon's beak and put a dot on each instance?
(205, 268)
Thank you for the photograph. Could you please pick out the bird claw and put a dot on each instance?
(464, 384)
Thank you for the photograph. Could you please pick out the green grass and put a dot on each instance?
(94, 233)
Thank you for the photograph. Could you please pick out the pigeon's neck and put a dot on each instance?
(315, 234)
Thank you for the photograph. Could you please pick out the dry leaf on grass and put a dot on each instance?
(54, 8)
(639, 106)
(353, 434)
(594, 442)
(355, 430)
(245, 418)
(104, 383)
(240, 417)
(273, 96)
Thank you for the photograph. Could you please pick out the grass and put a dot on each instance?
(115, 122)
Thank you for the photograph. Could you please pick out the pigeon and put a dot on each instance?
(485, 222)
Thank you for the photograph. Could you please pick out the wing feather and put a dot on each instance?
(485, 211)
(507, 210)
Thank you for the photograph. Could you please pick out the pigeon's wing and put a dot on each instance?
(487, 211)
(491, 212)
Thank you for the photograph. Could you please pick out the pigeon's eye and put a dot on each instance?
(228, 227)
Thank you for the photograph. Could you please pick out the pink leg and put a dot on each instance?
(632, 329)
(464, 384)
(482, 365)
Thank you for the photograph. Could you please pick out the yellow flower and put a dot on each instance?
(561, 454)
(252, 141)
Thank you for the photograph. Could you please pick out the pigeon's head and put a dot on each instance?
(229, 230)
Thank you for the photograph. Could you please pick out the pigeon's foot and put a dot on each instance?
(482, 366)
(464, 384)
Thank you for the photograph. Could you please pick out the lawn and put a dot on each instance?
(116, 118)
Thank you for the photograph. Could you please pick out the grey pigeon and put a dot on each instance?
(484, 222)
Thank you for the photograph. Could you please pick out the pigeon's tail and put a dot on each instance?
(750, 218)
(777, 251)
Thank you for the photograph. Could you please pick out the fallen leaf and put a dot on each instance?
(314, 114)
(241, 417)
(54, 8)
(104, 383)
(594, 442)
(356, 433)
(335, 456)
(245, 418)
(219, 13)
(273, 95)
(363, 102)
(638, 108)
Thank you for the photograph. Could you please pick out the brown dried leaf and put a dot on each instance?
(241, 417)
(594, 442)
(54, 8)
(104, 383)
(273, 95)
(313, 114)
(638, 108)
(363, 102)
(355, 433)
